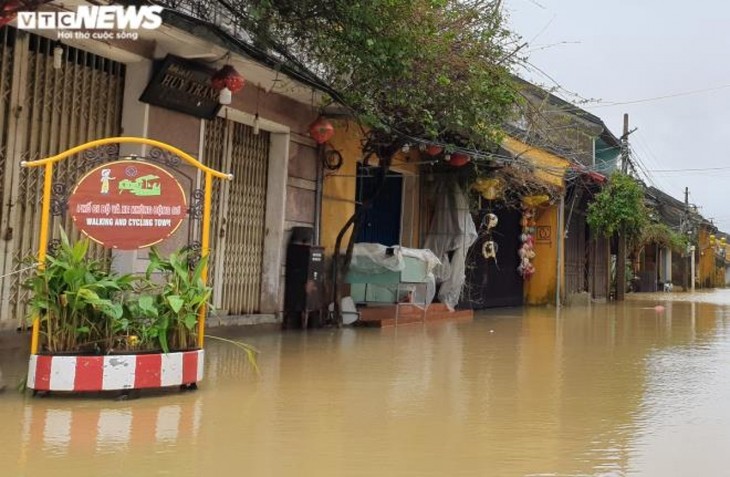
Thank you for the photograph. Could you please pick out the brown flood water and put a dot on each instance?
(600, 391)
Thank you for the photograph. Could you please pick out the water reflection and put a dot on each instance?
(57, 429)
(623, 389)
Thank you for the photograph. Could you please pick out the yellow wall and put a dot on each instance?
(338, 191)
(338, 202)
(550, 167)
(540, 288)
(706, 268)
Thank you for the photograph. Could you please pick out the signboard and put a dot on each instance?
(184, 86)
(128, 205)
(544, 234)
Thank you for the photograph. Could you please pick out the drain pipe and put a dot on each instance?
(560, 238)
(318, 195)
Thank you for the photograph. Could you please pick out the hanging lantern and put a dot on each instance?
(459, 159)
(11, 6)
(57, 57)
(227, 77)
(256, 125)
(225, 96)
(8, 12)
(535, 200)
(434, 150)
(490, 189)
(321, 130)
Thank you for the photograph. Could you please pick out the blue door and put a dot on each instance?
(381, 223)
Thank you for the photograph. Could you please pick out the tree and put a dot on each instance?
(434, 69)
(619, 208)
(408, 70)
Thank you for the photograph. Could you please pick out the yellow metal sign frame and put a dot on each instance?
(48, 163)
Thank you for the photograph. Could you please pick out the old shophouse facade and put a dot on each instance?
(97, 91)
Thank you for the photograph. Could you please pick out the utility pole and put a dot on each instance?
(692, 248)
(621, 252)
(685, 231)
(625, 146)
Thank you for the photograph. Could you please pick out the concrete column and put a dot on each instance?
(135, 119)
(667, 265)
(275, 213)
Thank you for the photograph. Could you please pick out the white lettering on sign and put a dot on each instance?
(99, 221)
(87, 17)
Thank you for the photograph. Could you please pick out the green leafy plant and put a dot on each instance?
(83, 307)
(619, 208)
(662, 235)
(437, 69)
(176, 304)
(76, 299)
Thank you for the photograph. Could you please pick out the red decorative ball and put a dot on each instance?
(434, 150)
(6, 18)
(11, 5)
(227, 77)
(321, 130)
(459, 159)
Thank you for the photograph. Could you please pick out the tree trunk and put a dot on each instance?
(355, 221)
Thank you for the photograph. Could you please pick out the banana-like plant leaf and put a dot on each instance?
(176, 303)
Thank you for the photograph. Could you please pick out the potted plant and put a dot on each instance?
(149, 323)
(176, 301)
(76, 299)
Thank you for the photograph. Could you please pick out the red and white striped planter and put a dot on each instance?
(114, 372)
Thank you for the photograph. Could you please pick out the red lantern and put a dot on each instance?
(434, 150)
(6, 18)
(321, 130)
(227, 77)
(9, 12)
(459, 159)
(11, 6)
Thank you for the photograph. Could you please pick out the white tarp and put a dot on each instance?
(372, 258)
(452, 230)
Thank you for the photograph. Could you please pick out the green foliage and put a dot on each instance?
(664, 236)
(178, 301)
(619, 208)
(84, 308)
(429, 68)
(76, 299)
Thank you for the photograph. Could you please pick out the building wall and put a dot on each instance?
(339, 187)
(540, 289)
(549, 167)
(706, 268)
(292, 170)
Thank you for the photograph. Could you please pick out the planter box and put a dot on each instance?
(114, 372)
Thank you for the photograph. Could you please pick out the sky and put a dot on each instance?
(622, 51)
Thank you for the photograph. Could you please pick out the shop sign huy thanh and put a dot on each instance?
(128, 205)
(184, 86)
